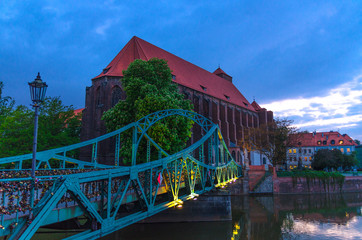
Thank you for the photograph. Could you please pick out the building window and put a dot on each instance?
(309, 151)
(333, 142)
(324, 142)
(98, 96)
(294, 150)
(173, 77)
(319, 142)
(264, 160)
(342, 150)
(117, 95)
(290, 150)
(203, 88)
(227, 97)
(300, 150)
(310, 158)
(341, 142)
(304, 151)
(106, 70)
(305, 159)
(348, 150)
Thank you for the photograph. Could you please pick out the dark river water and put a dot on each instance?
(289, 217)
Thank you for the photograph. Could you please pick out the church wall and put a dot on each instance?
(231, 119)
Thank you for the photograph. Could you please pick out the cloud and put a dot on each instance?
(8, 11)
(101, 29)
(351, 230)
(340, 107)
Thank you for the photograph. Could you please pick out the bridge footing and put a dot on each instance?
(208, 207)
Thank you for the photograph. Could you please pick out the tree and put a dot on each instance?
(149, 88)
(271, 139)
(333, 159)
(357, 141)
(6, 104)
(58, 126)
(324, 158)
(349, 161)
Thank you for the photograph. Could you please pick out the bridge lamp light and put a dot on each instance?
(38, 89)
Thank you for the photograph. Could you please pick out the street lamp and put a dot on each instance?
(37, 93)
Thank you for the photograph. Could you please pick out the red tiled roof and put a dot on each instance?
(311, 139)
(220, 71)
(78, 111)
(256, 106)
(187, 74)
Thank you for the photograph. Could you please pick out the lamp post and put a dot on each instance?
(37, 93)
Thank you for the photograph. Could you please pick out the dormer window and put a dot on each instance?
(333, 142)
(324, 142)
(173, 77)
(106, 70)
(203, 88)
(341, 142)
(227, 97)
(319, 142)
(245, 104)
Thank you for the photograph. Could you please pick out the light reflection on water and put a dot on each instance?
(286, 217)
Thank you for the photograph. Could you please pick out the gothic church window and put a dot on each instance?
(98, 96)
(117, 94)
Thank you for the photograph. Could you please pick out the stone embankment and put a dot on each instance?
(285, 185)
(260, 182)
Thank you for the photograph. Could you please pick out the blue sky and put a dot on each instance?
(301, 59)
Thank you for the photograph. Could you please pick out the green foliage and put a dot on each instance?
(6, 104)
(149, 88)
(359, 156)
(58, 126)
(333, 159)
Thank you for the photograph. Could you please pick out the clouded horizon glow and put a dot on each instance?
(339, 109)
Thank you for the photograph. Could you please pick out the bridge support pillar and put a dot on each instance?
(246, 181)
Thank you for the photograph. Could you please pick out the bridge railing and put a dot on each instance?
(101, 196)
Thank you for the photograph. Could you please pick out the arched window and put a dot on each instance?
(233, 154)
(117, 94)
(98, 96)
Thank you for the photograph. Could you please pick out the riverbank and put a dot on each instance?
(260, 179)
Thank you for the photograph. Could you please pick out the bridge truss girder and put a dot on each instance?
(152, 186)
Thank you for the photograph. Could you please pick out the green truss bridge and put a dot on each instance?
(107, 198)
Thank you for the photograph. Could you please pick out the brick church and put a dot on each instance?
(212, 94)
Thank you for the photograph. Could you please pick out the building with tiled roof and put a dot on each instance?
(305, 145)
(78, 111)
(213, 95)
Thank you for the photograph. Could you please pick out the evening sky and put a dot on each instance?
(300, 59)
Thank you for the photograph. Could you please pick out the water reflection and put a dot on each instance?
(291, 217)
(286, 217)
(319, 217)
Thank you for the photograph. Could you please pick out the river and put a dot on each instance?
(286, 217)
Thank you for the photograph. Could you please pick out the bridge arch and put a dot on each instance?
(144, 124)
